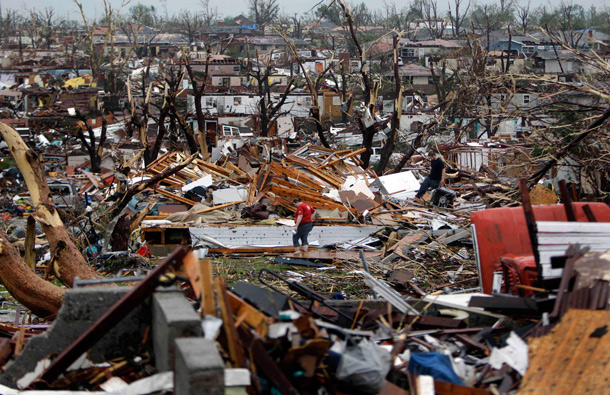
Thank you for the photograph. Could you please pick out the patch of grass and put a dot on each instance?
(6, 163)
(324, 282)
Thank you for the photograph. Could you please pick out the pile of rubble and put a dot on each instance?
(418, 322)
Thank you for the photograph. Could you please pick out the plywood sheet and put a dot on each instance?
(569, 360)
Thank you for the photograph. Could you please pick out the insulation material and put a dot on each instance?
(399, 186)
(229, 195)
(205, 181)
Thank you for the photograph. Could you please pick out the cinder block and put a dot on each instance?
(81, 308)
(172, 317)
(198, 367)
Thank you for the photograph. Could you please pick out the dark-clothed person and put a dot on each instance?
(436, 176)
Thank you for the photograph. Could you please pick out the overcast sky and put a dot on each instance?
(225, 7)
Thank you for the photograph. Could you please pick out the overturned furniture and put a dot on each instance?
(503, 243)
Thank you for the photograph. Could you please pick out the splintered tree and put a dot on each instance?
(9, 20)
(209, 13)
(46, 26)
(577, 134)
(430, 14)
(365, 119)
(315, 113)
(390, 143)
(171, 83)
(269, 109)
(189, 24)
(198, 90)
(170, 80)
(263, 11)
(67, 260)
(487, 18)
(123, 222)
(458, 15)
(103, 51)
(94, 146)
(524, 16)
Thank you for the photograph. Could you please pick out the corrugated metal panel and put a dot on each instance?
(271, 236)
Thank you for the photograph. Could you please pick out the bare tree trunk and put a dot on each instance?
(409, 153)
(198, 93)
(390, 142)
(41, 297)
(120, 231)
(315, 113)
(370, 91)
(68, 260)
(561, 153)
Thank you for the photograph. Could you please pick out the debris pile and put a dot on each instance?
(389, 299)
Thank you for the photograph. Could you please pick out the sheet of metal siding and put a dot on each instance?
(269, 236)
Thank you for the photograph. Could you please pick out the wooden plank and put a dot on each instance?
(236, 350)
(296, 175)
(588, 212)
(327, 177)
(196, 270)
(252, 250)
(294, 193)
(443, 388)
(266, 364)
(288, 184)
(251, 315)
(207, 210)
(205, 274)
(20, 339)
(350, 155)
(92, 178)
(567, 203)
(565, 239)
(309, 200)
(155, 217)
(572, 227)
(328, 159)
(234, 168)
(175, 197)
(267, 172)
(213, 168)
(300, 161)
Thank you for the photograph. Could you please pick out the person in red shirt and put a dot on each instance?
(303, 224)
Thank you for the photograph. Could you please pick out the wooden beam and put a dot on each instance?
(207, 210)
(251, 315)
(236, 350)
(350, 155)
(252, 188)
(236, 169)
(207, 292)
(175, 197)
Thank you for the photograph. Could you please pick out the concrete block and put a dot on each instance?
(81, 308)
(173, 317)
(198, 367)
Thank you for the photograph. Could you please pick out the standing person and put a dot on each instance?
(303, 223)
(436, 177)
